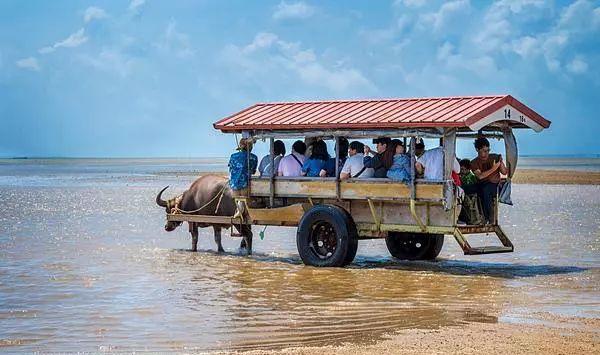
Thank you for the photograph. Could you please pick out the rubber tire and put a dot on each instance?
(346, 236)
(353, 245)
(432, 245)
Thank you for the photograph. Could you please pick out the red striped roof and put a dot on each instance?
(464, 111)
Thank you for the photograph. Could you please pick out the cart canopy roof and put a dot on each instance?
(467, 113)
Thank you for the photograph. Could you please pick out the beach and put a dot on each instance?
(565, 336)
(85, 265)
(556, 177)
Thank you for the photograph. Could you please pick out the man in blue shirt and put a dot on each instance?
(238, 174)
(238, 167)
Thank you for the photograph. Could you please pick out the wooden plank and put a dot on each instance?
(224, 220)
(309, 187)
(350, 189)
(361, 190)
(287, 214)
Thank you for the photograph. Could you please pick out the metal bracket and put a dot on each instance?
(374, 214)
(417, 219)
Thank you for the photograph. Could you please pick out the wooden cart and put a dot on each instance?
(332, 215)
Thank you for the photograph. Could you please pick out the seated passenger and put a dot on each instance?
(330, 167)
(318, 159)
(382, 160)
(291, 165)
(468, 180)
(354, 165)
(431, 164)
(400, 169)
(264, 168)
(487, 168)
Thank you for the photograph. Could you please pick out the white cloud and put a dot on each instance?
(94, 13)
(74, 40)
(577, 66)
(111, 60)
(293, 10)
(526, 46)
(580, 16)
(502, 23)
(261, 40)
(135, 5)
(28, 63)
(518, 6)
(268, 54)
(446, 15)
(410, 3)
(175, 42)
(445, 51)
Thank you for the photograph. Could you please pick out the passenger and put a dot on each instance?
(354, 165)
(291, 165)
(318, 159)
(382, 160)
(419, 148)
(487, 168)
(239, 170)
(400, 169)
(330, 167)
(264, 168)
(468, 180)
(431, 163)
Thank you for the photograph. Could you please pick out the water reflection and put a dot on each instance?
(270, 303)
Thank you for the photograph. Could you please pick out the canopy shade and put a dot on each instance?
(465, 112)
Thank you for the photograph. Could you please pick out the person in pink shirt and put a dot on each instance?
(291, 165)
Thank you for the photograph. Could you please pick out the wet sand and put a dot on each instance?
(573, 336)
(556, 177)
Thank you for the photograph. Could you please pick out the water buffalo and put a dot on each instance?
(205, 194)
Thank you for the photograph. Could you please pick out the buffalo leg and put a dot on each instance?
(218, 239)
(194, 231)
(247, 240)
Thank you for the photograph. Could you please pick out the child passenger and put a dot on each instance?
(468, 180)
(466, 175)
(400, 169)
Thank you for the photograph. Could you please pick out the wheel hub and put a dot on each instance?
(323, 240)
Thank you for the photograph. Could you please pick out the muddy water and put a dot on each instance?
(85, 265)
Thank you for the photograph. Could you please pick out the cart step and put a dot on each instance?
(507, 246)
(489, 250)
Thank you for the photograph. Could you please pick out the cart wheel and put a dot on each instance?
(326, 237)
(353, 245)
(414, 246)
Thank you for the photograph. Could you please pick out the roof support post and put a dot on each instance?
(413, 190)
(449, 146)
(337, 167)
(272, 177)
(449, 149)
(248, 152)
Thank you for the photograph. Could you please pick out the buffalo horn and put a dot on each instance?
(159, 200)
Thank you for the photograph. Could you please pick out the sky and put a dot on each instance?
(147, 78)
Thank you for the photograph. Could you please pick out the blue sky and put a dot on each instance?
(148, 78)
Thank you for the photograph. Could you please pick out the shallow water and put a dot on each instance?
(85, 265)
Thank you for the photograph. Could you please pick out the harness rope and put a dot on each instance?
(219, 195)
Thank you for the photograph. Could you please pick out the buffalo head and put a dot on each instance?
(169, 206)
